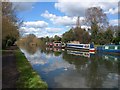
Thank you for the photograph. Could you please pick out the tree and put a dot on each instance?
(68, 36)
(76, 34)
(108, 36)
(94, 33)
(100, 38)
(57, 38)
(81, 35)
(95, 15)
(47, 39)
(97, 19)
(116, 39)
(10, 24)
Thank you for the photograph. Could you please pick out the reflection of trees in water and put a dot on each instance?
(43, 50)
(94, 77)
(55, 51)
(98, 71)
(31, 49)
(95, 69)
(30, 43)
(78, 61)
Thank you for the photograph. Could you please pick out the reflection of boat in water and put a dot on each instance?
(54, 49)
(55, 44)
(49, 44)
(109, 57)
(49, 49)
(57, 49)
(79, 53)
(81, 47)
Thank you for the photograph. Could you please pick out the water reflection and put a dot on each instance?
(68, 69)
(85, 54)
(31, 49)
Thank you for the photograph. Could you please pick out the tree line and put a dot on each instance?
(100, 32)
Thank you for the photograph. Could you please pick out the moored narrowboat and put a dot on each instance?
(82, 47)
(109, 48)
(58, 44)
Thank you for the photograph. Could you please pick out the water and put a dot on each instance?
(71, 69)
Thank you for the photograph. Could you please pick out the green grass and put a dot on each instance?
(28, 77)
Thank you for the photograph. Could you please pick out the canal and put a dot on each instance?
(72, 69)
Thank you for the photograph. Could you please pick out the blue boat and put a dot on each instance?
(109, 48)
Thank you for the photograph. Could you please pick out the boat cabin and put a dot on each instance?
(57, 44)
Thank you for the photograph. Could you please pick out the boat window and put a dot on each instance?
(106, 47)
(115, 47)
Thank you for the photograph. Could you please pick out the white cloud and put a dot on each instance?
(22, 0)
(30, 1)
(77, 7)
(23, 6)
(112, 11)
(61, 20)
(36, 24)
(114, 22)
(31, 29)
(41, 32)
(54, 30)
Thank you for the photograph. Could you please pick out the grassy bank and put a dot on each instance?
(28, 77)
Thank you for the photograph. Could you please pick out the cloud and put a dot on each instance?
(23, 6)
(30, 1)
(58, 65)
(61, 20)
(77, 7)
(113, 11)
(114, 22)
(36, 24)
(31, 29)
(23, 0)
(54, 30)
(40, 32)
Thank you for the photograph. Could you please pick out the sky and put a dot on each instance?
(56, 17)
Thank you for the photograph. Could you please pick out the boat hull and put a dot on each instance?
(109, 48)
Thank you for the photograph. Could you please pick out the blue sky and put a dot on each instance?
(54, 18)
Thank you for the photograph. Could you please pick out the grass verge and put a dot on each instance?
(28, 77)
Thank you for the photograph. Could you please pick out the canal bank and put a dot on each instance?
(17, 71)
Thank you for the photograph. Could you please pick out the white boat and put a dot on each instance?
(83, 47)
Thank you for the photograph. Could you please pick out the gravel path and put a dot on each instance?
(9, 69)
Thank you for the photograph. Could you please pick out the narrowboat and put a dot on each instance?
(81, 47)
(109, 48)
(58, 44)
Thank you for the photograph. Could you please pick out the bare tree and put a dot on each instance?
(95, 15)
